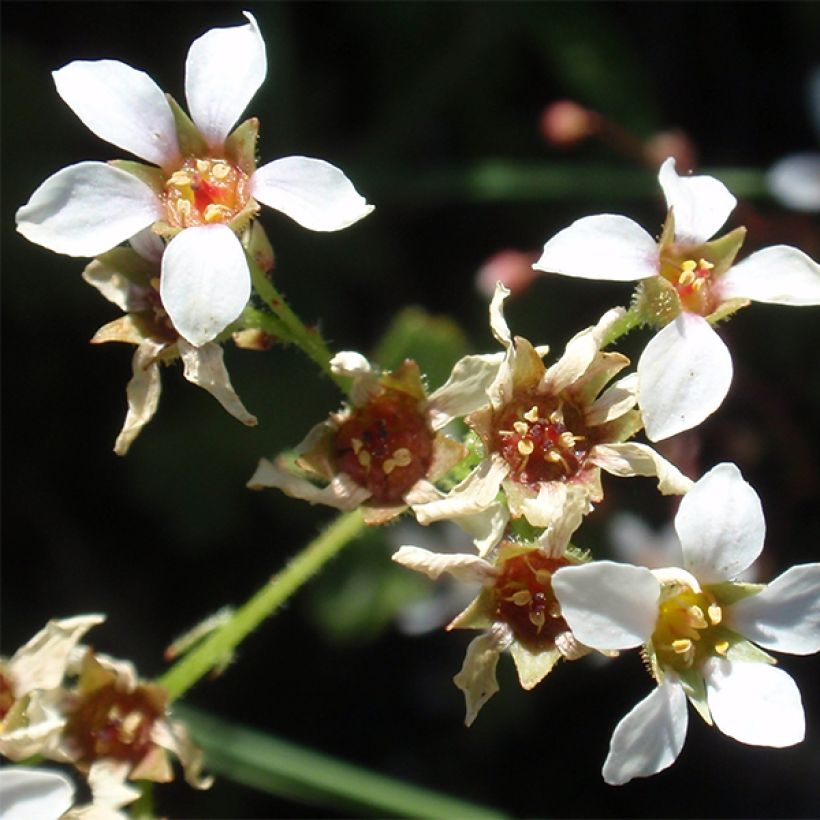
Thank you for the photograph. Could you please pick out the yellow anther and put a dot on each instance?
(543, 577)
(215, 213)
(184, 208)
(557, 416)
(522, 597)
(687, 277)
(388, 465)
(567, 439)
(703, 264)
(363, 457)
(154, 282)
(220, 170)
(130, 725)
(532, 414)
(356, 444)
(554, 456)
(694, 618)
(525, 447)
(689, 265)
(722, 647)
(555, 610)
(402, 457)
(203, 166)
(715, 614)
(521, 427)
(682, 645)
(179, 179)
(537, 619)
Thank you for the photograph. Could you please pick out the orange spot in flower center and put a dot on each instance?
(386, 445)
(542, 439)
(692, 281)
(525, 600)
(204, 192)
(108, 723)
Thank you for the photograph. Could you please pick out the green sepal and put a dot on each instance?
(695, 689)
(727, 309)
(667, 236)
(730, 592)
(721, 252)
(522, 531)
(258, 246)
(191, 142)
(533, 667)
(744, 651)
(477, 613)
(153, 177)
(127, 262)
(656, 301)
(240, 146)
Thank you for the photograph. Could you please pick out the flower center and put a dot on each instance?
(108, 723)
(686, 630)
(386, 445)
(205, 191)
(692, 282)
(541, 439)
(524, 598)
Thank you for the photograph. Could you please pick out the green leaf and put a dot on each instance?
(279, 767)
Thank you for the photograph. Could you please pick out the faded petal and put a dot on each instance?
(601, 247)
(34, 794)
(143, 393)
(86, 209)
(650, 737)
(559, 508)
(780, 275)
(754, 703)
(464, 566)
(684, 374)
(785, 616)
(465, 390)
(312, 192)
(106, 778)
(223, 71)
(121, 105)
(614, 401)
(205, 282)
(631, 459)
(720, 525)
(608, 605)
(477, 676)
(205, 367)
(700, 204)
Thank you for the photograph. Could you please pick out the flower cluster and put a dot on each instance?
(61, 700)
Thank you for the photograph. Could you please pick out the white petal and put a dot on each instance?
(312, 192)
(465, 390)
(464, 566)
(616, 400)
(785, 616)
(143, 393)
(684, 374)
(700, 204)
(781, 275)
(477, 676)
(86, 209)
(720, 525)
(754, 703)
(148, 245)
(108, 787)
(650, 737)
(601, 247)
(608, 605)
(34, 794)
(41, 662)
(224, 69)
(205, 367)
(205, 282)
(121, 105)
(794, 181)
(559, 508)
(498, 324)
(349, 363)
(631, 459)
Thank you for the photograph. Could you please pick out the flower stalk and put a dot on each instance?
(213, 651)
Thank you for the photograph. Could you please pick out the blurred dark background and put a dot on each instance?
(406, 98)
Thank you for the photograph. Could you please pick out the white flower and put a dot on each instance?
(127, 277)
(700, 629)
(685, 371)
(206, 184)
(34, 794)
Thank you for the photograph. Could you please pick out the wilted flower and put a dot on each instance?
(698, 625)
(688, 283)
(516, 611)
(548, 431)
(129, 277)
(206, 187)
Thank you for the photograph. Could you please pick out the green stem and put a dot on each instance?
(217, 648)
(629, 321)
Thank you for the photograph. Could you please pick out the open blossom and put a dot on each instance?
(548, 431)
(701, 630)
(383, 450)
(688, 282)
(128, 277)
(516, 610)
(206, 185)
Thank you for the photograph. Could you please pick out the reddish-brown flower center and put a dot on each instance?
(112, 724)
(386, 445)
(205, 191)
(525, 600)
(542, 439)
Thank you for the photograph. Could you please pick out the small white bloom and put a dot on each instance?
(698, 626)
(686, 370)
(206, 186)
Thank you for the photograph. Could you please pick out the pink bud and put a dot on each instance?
(510, 267)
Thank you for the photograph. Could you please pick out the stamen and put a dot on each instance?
(388, 465)
(402, 457)
(682, 645)
(532, 414)
(543, 577)
(522, 597)
(715, 614)
(363, 457)
(215, 213)
(537, 619)
(521, 427)
(356, 444)
(722, 647)
(525, 447)
(180, 179)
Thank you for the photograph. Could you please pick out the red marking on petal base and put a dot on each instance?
(112, 724)
(525, 600)
(386, 446)
(541, 439)
(6, 696)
